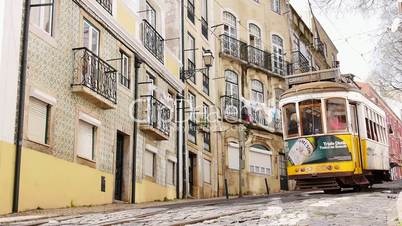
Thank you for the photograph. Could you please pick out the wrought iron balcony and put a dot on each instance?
(153, 41)
(204, 27)
(258, 114)
(300, 64)
(320, 46)
(192, 131)
(233, 47)
(107, 5)
(259, 58)
(231, 107)
(190, 10)
(157, 118)
(94, 78)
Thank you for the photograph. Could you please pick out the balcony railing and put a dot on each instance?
(153, 41)
(230, 107)
(190, 10)
(158, 115)
(251, 55)
(300, 63)
(320, 46)
(204, 27)
(233, 47)
(192, 131)
(107, 5)
(259, 58)
(94, 73)
(191, 70)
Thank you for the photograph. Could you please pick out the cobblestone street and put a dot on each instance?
(376, 207)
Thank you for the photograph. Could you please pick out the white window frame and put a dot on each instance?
(260, 169)
(85, 118)
(34, 134)
(47, 99)
(125, 69)
(276, 6)
(278, 55)
(146, 164)
(173, 182)
(92, 30)
(41, 16)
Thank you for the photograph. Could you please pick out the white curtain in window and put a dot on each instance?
(37, 120)
(86, 140)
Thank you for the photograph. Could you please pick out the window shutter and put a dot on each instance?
(86, 140)
(233, 157)
(37, 125)
(207, 171)
(149, 163)
(170, 172)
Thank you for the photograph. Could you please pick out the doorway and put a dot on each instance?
(118, 186)
(283, 172)
(191, 171)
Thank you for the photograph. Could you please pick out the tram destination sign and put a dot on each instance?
(314, 76)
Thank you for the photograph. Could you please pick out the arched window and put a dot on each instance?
(232, 85)
(257, 91)
(255, 36)
(277, 55)
(230, 25)
(231, 101)
(260, 160)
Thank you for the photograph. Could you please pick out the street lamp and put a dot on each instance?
(208, 58)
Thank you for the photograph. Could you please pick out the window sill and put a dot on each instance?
(151, 179)
(86, 161)
(38, 146)
(46, 37)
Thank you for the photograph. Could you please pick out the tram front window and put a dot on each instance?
(310, 115)
(291, 128)
(336, 115)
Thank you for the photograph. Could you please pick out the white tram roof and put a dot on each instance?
(324, 90)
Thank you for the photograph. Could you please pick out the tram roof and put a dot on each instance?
(318, 87)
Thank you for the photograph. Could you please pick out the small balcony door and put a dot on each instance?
(91, 64)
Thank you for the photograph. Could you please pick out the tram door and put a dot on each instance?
(355, 131)
(283, 172)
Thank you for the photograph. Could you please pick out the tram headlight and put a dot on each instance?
(329, 167)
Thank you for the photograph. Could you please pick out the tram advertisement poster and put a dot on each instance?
(321, 149)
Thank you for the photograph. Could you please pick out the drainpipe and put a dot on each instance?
(183, 144)
(21, 106)
(137, 65)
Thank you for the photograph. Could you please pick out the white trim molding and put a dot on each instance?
(43, 96)
(89, 119)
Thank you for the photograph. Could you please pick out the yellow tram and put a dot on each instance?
(334, 137)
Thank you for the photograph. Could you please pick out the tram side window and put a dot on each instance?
(310, 115)
(336, 115)
(290, 120)
(368, 128)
